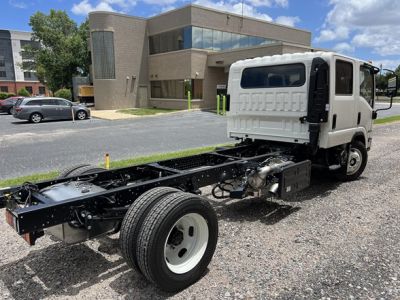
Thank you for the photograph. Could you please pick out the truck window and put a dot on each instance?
(344, 78)
(367, 85)
(291, 75)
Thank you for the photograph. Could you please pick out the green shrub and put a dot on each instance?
(63, 93)
(23, 92)
(6, 95)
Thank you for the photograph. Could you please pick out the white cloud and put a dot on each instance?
(288, 21)
(235, 7)
(390, 64)
(85, 6)
(344, 48)
(18, 4)
(370, 24)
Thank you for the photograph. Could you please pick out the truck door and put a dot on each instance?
(343, 104)
(365, 103)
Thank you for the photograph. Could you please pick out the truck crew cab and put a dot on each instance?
(290, 112)
(319, 100)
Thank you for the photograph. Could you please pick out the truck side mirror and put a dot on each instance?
(374, 115)
(392, 86)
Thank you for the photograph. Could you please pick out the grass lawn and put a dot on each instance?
(387, 120)
(114, 164)
(146, 111)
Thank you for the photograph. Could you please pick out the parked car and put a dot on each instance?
(6, 105)
(49, 108)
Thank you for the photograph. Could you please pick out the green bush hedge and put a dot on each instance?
(23, 92)
(6, 95)
(63, 93)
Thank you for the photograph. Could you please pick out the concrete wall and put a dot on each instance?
(170, 20)
(131, 52)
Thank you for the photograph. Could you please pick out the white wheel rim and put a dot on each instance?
(186, 243)
(36, 118)
(81, 115)
(355, 160)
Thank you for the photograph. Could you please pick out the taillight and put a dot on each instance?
(18, 109)
(1, 102)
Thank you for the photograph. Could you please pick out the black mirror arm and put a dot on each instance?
(391, 94)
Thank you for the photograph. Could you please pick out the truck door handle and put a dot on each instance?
(359, 118)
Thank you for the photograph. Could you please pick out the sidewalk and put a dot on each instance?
(115, 115)
(111, 115)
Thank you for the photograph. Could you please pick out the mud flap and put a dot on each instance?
(294, 178)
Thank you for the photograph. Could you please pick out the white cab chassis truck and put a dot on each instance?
(289, 111)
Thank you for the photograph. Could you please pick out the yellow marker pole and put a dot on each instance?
(218, 104)
(189, 100)
(107, 161)
(224, 105)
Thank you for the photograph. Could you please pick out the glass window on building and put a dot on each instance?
(202, 38)
(4, 89)
(197, 37)
(27, 75)
(155, 44)
(3, 74)
(2, 62)
(235, 41)
(244, 41)
(207, 39)
(168, 89)
(187, 37)
(42, 90)
(217, 40)
(226, 40)
(103, 54)
(29, 89)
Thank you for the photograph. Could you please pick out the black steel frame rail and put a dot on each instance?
(49, 213)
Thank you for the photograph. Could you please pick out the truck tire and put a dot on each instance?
(356, 164)
(177, 241)
(66, 171)
(133, 220)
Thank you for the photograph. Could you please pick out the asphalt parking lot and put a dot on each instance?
(332, 241)
(27, 148)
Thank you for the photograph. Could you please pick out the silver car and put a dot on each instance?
(49, 108)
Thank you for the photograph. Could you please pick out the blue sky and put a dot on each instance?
(368, 29)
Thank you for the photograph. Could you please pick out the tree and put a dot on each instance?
(23, 92)
(64, 93)
(63, 50)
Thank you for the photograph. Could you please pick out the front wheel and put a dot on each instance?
(10, 111)
(81, 115)
(177, 241)
(356, 162)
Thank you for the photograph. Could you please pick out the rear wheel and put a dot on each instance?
(36, 118)
(177, 241)
(10, 110)
(81, 115)
(356, 162)
(133, 220)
